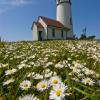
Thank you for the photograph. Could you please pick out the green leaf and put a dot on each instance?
(89, 88)
(95, 97)
(77, 89)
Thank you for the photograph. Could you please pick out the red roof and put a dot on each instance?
(52, 22)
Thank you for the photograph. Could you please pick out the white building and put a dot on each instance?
(61, 28)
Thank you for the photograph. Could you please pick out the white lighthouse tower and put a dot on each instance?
(64, 15)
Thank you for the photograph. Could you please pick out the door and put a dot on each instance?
(40, 35)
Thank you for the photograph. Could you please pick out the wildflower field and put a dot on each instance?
(50, 70)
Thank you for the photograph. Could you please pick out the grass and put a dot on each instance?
(76, 63)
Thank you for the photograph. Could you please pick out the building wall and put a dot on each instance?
(57, 33)
(35, 32)
(45, 28)
(49, 33)
(69, 34)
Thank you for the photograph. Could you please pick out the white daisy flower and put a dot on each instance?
(49, 64)
(22, 65)
(88, 81)
(59, 65)
(80, 75)
(4, 65)
(58, 92)
(75, 79)
(69, 58)
(32, 57)
(9, 72)
(54, 81)
(38, 76)
(30, 74)
(47, 70)
(43, 85)
(28, 97)
(89, 72)
(76, 70)
(55, 73)
(8, 81)
(26, 84)
(48, 74)
(32, 63)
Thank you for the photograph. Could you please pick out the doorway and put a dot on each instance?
(39, 35)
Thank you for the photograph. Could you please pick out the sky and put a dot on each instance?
(17, 16)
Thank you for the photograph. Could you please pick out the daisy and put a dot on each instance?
(58, 92)
(22, 65)
(47, 75)
(25, 85)
(89, 72)
(9, 72)
(41, 86)
(49, 64)
(8, 81)
(54, 80)
(28, 97)
(32, 57)
(88, 81)
(4, 65)
(75, 79)
(30, 74)
(38, 76)
(59, 65)
(47, 70)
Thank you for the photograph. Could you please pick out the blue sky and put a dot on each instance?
(16, 17)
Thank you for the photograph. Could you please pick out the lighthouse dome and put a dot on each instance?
(63, 1)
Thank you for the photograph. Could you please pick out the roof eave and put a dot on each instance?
(67, 29)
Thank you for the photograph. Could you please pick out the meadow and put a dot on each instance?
(50, 70)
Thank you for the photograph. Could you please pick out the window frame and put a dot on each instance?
(53, 32)
(71, 21)
(62, 33)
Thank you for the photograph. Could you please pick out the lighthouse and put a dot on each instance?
(64, 14)
(60, 28)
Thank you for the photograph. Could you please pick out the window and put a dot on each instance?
(70, 21)
(58, 1)
(53, 32)
(62, 34)
(70, 1)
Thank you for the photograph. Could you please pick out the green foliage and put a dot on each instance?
(43, 60)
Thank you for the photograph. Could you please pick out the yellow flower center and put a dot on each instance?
(43, 85)
(55, 81)
(87, 81)
(25, 85)
(58, 92)
(11, 71)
